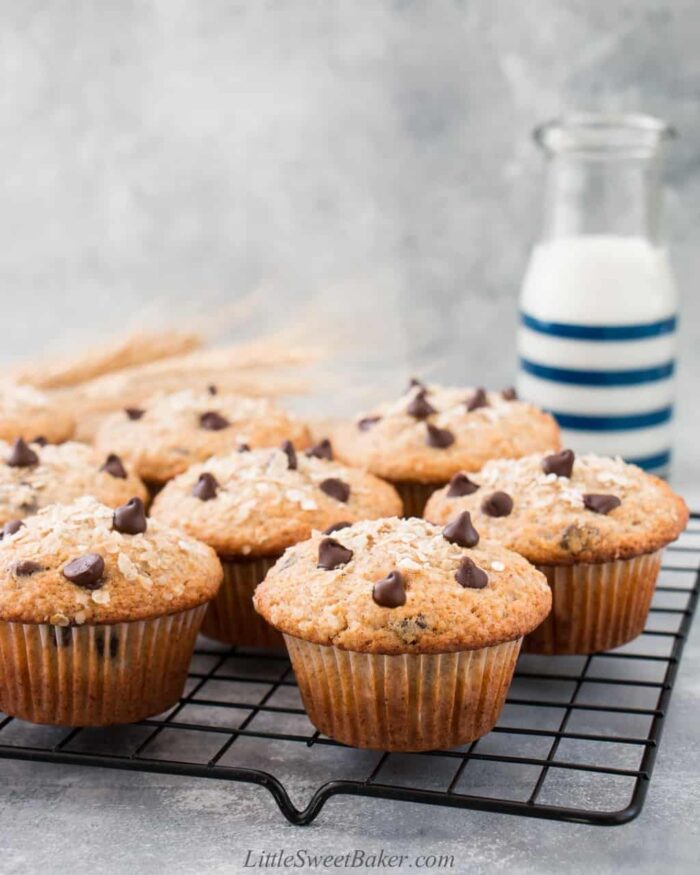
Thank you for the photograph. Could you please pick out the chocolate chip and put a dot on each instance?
(130, 518)
(21, 455)
(336, 527)
(367, 422)
(336, 488)
(497, 504)
(322, 450)
(27, 567)
(460, 531)
(134, 413)
(600, 503)
(332, 554)
(243, 448)
(414, 382)
(287, 448)
(40, 440)
(470, 576)
(440, 438)
(477, 400)
(113, 465)
(389, 592)
(86, 571)
(213, 421)
(206, 487)
(561, 464)
(62, 637)
(211, 389)
(420, 407)
(461, 485)
(509, 394)
(10, 527)
(100, 635)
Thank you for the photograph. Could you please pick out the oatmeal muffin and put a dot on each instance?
(250, 506)
(595, 526)
(172, 432)
(35, 475)
(28, 413)
(403, 635)
(99, 611)
(419, 441)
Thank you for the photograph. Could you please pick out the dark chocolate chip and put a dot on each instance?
(440, 438)
(206, 487)
(130, 518)
(470, 576)
(336, 488)
(21, 455)
(332, 554)
(113, 465)
(86, 571)
(420, 407)
(461, 485)
(213, 421)
(100, 635)
(322, 450)
(336, 527)
(287, 448)
(600, 503)
(509, 394)
(134, 413)
(460, 531)
(40, 440)
(243, 448)
(62, 636)
(497, 504)
(477, 400)
(561, 464)
(389, 592)
(211, 389)
(27, 567)
(414, 382)
(10, 527)
(367, 422)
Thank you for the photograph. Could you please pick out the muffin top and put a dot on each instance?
(431, 432)
(260, 502)
(560, 509)
(35, 475)
(173, 431)
(403, 586)
(87, 563)
(28, 413)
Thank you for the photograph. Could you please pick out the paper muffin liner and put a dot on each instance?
(596, 607)
(95, 675)
(414, 495)
(407, 702)
(231, 617)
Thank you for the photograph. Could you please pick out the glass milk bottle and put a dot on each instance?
(598, 304)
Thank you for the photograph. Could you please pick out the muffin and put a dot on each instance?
(250, 506)
(99, 611)
(419, 441)
(595, 526)
(172, 432)
(28, 413)
(402, 635)
(35, 475)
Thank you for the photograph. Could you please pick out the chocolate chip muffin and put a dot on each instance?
(35, 475)
(172, 432)
(420, 440)
(403, 635)
(28, 413)
(595, 526)
(250, 506)
(99, 611)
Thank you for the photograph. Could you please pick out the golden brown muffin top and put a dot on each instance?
(28, 413)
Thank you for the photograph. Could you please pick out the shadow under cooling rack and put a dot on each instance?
(577, 739)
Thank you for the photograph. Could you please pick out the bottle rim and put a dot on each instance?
(601, 134)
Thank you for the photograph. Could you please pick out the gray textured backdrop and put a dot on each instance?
(363, 169)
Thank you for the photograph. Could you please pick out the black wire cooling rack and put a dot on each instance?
(577, 739)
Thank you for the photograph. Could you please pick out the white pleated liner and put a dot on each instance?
(406, 702)
(96, 675)
(596, 607)
(414, 495)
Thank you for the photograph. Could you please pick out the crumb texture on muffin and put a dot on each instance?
(561, 520)
(438, 615)
(258, 505)
(62, 473)
(432, 431)
(173, 431)
(47, 569)
(28, 413)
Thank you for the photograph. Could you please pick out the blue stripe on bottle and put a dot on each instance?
(649, 463)
(631, 421)
(577, 377)
(640, 331)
